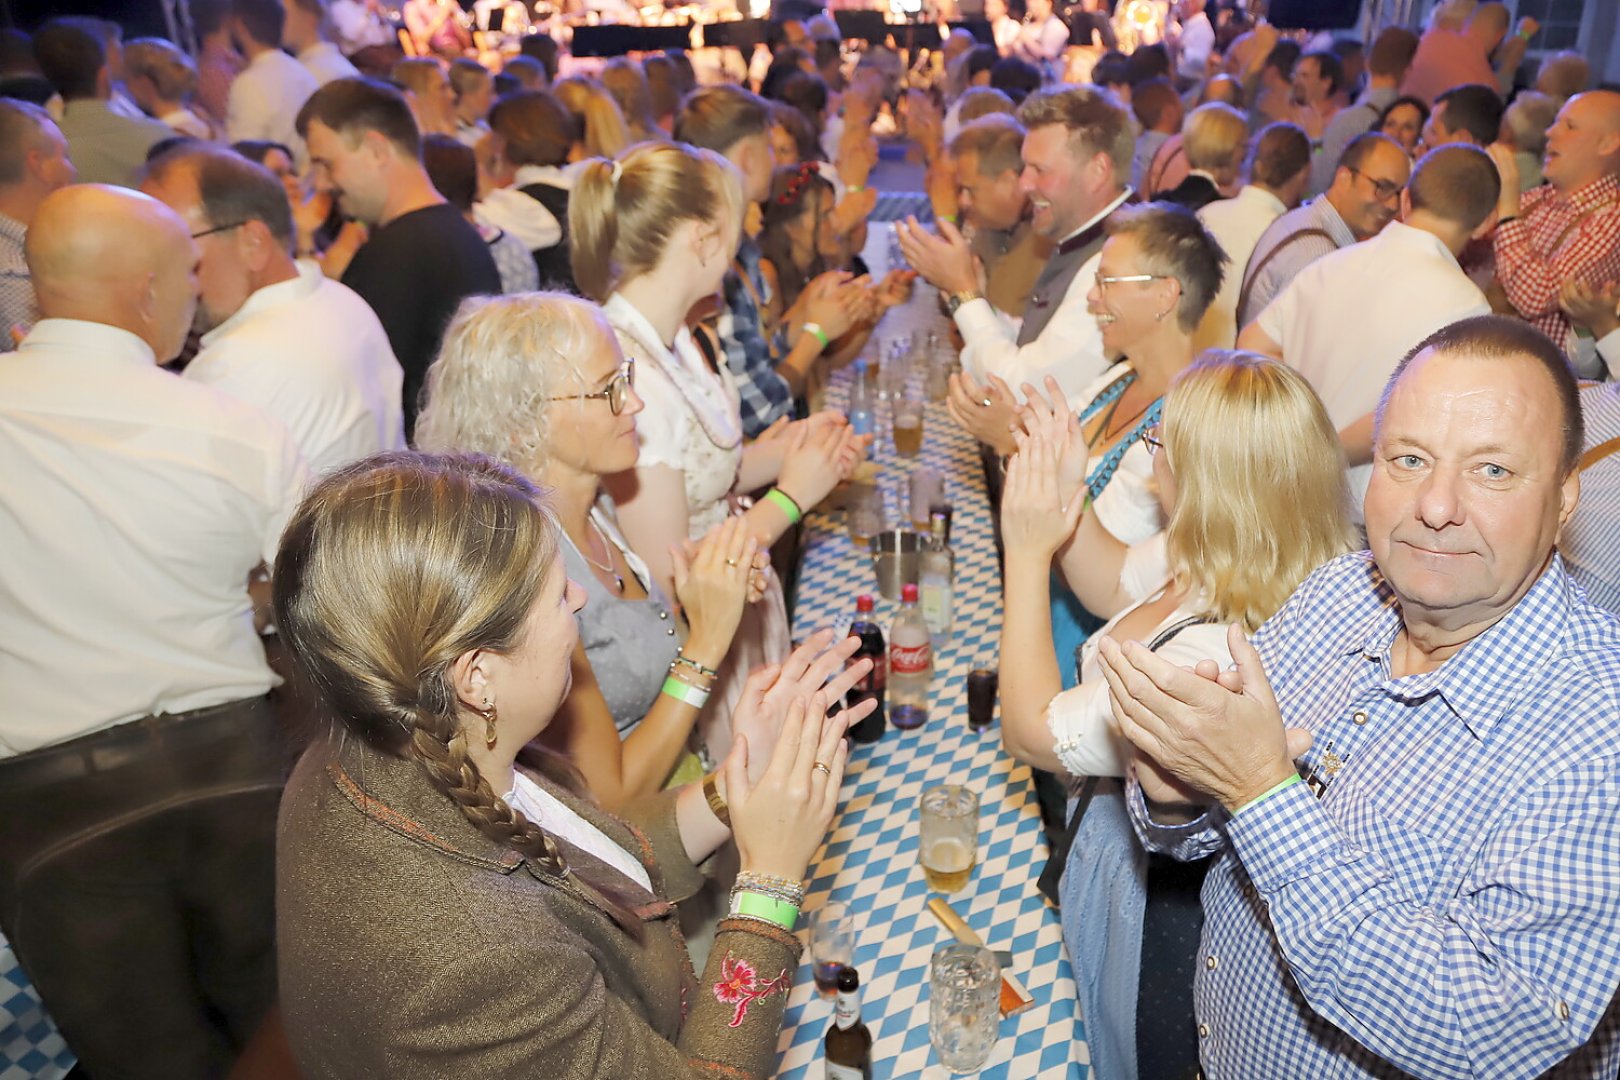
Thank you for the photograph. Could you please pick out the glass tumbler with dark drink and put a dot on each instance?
(983, 684)
(832, 945)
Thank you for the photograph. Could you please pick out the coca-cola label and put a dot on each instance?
(910, 659)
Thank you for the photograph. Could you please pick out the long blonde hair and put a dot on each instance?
(501, 358)
(389, 570)
(1261, 497)
(622, 213)
(604, 131)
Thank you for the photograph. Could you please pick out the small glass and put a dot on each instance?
(927, 489)
(863, 512)
(906, 410)
(983, 685)
(964, 1015)
(949, 836)
(832, 945)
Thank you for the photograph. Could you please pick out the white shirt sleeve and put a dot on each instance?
(1608, 347)
(518, 215)
(662, 427)
(1147, 567)
(1278, 316)
(1069, 349)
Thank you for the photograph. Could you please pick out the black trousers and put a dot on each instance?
(137, 885)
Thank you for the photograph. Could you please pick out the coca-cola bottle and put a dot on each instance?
(869, 729)
(911, 664)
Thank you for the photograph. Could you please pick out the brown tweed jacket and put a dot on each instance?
(412, 946)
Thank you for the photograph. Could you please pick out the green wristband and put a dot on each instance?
(784, 502)
(689, 695)
(759, 906)
(815, 331)
(1263, 796)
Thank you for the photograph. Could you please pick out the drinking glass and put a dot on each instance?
(983, 684)
(964, 992)
(832, 945)
(863, 512)
(906, 412)
(949, 836)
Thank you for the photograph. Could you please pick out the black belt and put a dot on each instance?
(126, 743)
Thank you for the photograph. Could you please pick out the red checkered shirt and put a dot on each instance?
(1555, 239)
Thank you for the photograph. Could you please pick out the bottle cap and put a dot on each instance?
(908, 593)
(863, 602)
(847, 979)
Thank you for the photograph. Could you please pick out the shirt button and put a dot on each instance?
(1203, 1031)
(1563, 1010)
(1210, 962)
(1359, 716)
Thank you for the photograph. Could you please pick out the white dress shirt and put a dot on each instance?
(357, 26)
(325, 62)
(132, 507)
(511, 211)
(1349, 318)
(1237, 225)
(311, 353)
(1197, 39)
(265, 99)
(1069, 349)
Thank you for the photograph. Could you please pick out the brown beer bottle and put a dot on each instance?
(848, 1047)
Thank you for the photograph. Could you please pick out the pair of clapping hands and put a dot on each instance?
(839, 302)
(1197, 733)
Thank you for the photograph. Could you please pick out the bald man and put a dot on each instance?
(139, 763)
(1567, 230)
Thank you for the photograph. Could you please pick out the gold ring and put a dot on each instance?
(822, 766)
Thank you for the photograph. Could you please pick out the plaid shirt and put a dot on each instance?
(1557, 238)
(17, 303)
(766, 396)
(1450, 905)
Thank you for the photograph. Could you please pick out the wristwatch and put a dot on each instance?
(957, 299)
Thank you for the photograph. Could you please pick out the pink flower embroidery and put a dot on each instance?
(739, 985)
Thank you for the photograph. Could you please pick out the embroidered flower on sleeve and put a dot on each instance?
(739, 985)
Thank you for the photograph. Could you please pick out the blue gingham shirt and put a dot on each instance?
(766, 396)
(1590, 542)
(1450, 907)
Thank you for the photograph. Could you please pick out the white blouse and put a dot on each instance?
(1078, 717)
(1129, 506)
(559, 819)
(692, 420)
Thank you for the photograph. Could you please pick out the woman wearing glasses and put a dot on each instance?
(537, 380)
(1247, 468)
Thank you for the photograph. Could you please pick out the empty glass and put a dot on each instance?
(964, 1014)
(863, 512)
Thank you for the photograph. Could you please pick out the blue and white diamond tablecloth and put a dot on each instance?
(870, 859)
(30, 1046)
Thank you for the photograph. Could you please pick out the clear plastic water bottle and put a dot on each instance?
(861, 417)
(911, 664)
(938, 575)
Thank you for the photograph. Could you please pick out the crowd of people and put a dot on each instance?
(408, 470)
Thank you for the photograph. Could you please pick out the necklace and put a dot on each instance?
(618, 578)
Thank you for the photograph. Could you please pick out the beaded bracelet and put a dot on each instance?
(784, 502)
(685, 693)
(691, 678)
(683, 659)
(766, 909)
(794, 896)
(749, 878)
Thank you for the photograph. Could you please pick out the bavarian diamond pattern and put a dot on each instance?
(870, 862)
(30, 1046)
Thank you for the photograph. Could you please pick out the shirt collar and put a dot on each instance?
(13, 230)
(1109, 209)
(1260, 195)
(1483, 679)
(1325, 212)
(1596, 193)
(1400, 234)
(308, 279)
(91, 339)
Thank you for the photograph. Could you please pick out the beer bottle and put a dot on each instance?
(848, 1046)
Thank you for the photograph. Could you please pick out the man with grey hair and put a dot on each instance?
(279, 334)
(1076, 155)
(988, 163)
(33, 163)
(1410, 782)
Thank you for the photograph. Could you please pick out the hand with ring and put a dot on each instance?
(986, 412)
(712, 585)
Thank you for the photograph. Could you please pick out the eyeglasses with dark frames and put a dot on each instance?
(614, 392)
(1384, 189)
(1152, 440)
(218, 229)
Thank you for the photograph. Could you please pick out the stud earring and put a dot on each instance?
(489, 715)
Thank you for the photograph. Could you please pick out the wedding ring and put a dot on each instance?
(985, 403)
(731, 562)
(822, 766)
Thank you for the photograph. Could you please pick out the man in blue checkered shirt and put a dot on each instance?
(1434, 889)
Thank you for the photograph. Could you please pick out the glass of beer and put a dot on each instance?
(950, 836)
(906, 410)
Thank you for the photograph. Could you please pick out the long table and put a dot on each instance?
(30, 1046)
(870, 859)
